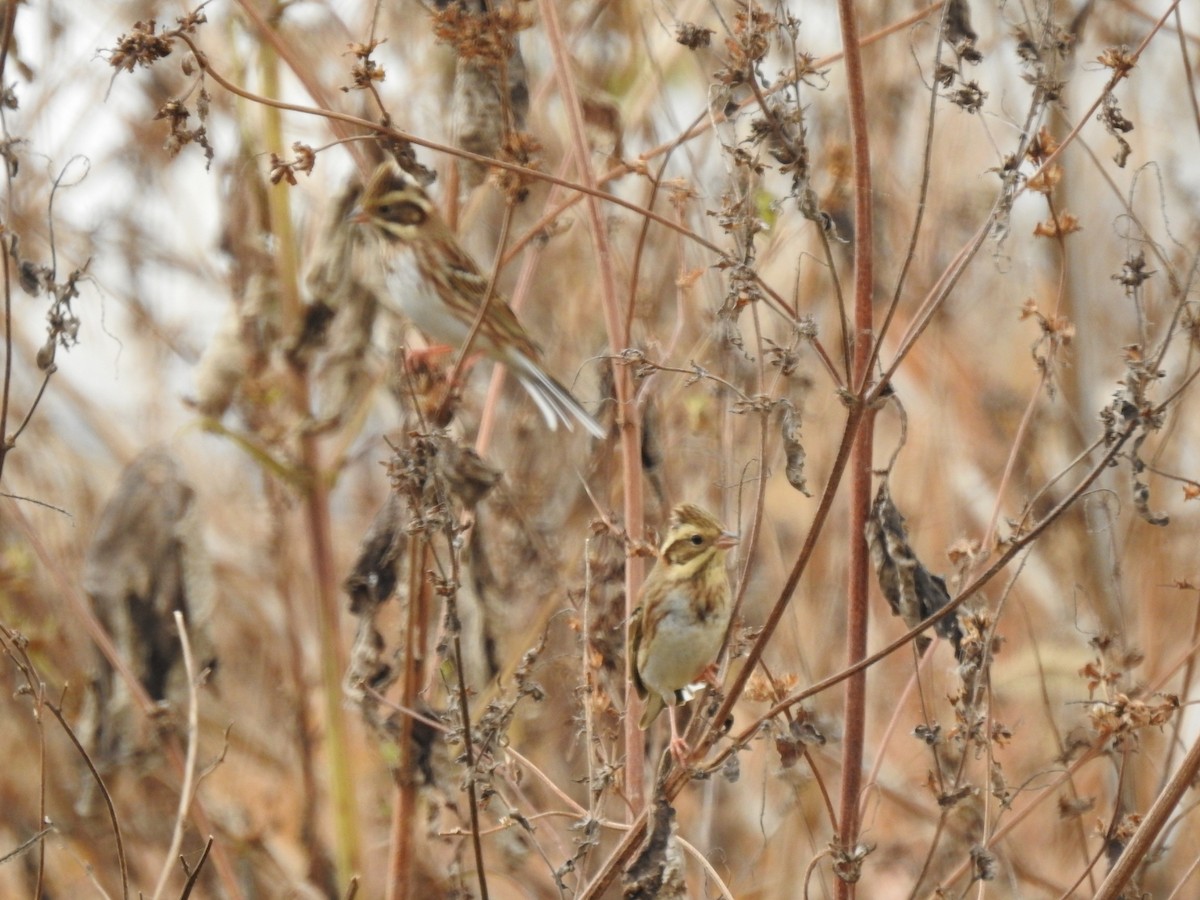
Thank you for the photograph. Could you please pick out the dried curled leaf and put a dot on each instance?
(911, 590)
(377, 569)
(1117, 125)
(958, 33)
(657, 870)
(1060, 226)
(1141, 490)
(793, 450)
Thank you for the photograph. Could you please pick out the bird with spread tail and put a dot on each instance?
(685, 605)
(440, 289)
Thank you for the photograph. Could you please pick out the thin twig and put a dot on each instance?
(189, 765)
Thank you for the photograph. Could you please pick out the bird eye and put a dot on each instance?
(409, 213)
(386, 209)
(697, 540)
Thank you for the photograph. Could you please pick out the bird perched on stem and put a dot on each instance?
(684, 611)
(448, 293)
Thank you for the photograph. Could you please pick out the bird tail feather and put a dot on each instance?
(554, 401)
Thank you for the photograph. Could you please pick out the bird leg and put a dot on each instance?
(421, 359)
(679, 747)
(709, 676)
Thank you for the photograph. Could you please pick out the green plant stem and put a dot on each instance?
(316, 513)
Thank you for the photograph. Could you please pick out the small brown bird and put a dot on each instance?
(686, 603)
(440, 289)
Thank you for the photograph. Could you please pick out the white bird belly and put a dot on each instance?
(683, 646)
(413, 297)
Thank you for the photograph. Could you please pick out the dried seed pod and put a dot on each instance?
(491, 93)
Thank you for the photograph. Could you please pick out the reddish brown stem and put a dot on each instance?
(860, 462)
(1136, 851)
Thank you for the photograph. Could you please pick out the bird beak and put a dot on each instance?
(357, 215)
(727, 539)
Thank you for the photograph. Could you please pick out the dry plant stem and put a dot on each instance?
(189, 765)
(1009, 465)
(483, 436)
(10, 18)
(938, 294)
(811, 868)
(287, 589)
(628, 422)
(938, 830)
(42, 817)
(1035, 645)
(635, 269)
(34, 838)
(854, 709)
(746, 551)
(1187, 67)
(1184, 691)
(1089, 870)
(285, 50)
(922, 198)
(879, 751)
(464, 711)
(404, 810)
(37, 689)
(854, 703)
(5, 444)
(722, 888)
(1178, 892)
(195, 874)
(1114, 821)
(589, 688)
(840, 299)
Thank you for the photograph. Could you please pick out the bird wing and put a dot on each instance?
(500, 328)
(635, 642)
